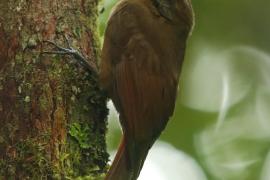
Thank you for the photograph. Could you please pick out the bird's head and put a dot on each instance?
(178, 12)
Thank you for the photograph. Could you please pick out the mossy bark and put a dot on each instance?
(52, 112)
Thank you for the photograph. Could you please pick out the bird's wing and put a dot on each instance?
(139, 82)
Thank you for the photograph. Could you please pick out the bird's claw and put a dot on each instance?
(61, 50)
(73, 52)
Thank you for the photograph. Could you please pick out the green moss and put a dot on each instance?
(29, 157)
(87, 148)
(81, 133)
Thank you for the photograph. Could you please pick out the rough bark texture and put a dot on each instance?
(52, 113)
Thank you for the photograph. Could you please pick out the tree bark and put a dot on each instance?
(52, 112)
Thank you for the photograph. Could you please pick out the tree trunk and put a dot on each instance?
(52, 113)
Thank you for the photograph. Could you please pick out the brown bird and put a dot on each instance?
(142, 55)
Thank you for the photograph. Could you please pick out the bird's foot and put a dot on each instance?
(91, 67)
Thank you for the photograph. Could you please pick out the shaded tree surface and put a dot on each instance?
(52, 112)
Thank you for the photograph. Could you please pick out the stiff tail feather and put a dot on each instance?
(128, 162)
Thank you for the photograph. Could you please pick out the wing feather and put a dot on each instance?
(141, 86)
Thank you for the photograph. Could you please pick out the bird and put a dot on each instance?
(141, 59)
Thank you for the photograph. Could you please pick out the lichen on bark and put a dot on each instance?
(52, 112)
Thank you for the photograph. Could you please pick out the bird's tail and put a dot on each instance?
(128, 161)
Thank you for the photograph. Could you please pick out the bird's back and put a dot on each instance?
(141, 62)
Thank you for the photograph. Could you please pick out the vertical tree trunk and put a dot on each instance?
(52, 113)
